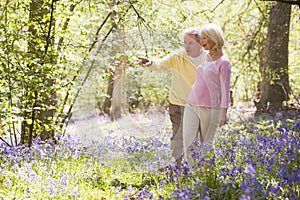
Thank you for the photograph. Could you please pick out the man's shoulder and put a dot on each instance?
(180, 53)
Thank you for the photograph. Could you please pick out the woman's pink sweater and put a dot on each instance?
(212, 86)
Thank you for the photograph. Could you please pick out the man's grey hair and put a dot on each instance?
(193, 31)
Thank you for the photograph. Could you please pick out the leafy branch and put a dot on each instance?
(66, 118)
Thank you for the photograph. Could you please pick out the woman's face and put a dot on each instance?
(206, 42)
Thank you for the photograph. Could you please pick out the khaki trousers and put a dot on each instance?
(176, 117)
(198, 118)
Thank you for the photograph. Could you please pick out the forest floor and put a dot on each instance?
(95, 128)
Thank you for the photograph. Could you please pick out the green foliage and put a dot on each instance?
(28, 69)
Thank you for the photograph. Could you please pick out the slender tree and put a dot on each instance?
(39, 99)
(118, 96)
(116, 89)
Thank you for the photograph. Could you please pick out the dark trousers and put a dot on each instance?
(176, 117)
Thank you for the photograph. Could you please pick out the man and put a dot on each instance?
(183, 64)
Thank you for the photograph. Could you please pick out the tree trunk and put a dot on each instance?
(39, 100)
(274, 88)
(118, 103)
(119, 95)
(105, 109)
(49, 100)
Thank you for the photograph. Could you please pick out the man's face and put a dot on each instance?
(191, 46)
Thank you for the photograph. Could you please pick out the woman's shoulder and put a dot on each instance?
(224, 59)
(224, 63)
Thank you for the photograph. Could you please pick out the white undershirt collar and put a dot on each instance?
(196, 59)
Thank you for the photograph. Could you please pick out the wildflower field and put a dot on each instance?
(253, 158)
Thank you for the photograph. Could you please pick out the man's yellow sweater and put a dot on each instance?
(184, 75)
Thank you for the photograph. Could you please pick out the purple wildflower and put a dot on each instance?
(64, 179)
(8, 183)
(245, 197)
(274, 189)
(245, 186)
(51, 192)
(145, 194)
(130, 189)
(183, 194)
(206, 198)
(161, 183)
(185, 168)
(75, 191)
(250, 170)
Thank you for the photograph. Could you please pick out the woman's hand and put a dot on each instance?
(222, 117)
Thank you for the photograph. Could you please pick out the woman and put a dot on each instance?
(209, 99)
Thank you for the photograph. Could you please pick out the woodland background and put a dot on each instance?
(65, 60)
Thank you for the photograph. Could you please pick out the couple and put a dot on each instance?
(199, 95)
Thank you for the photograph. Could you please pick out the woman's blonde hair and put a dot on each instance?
(215, 33)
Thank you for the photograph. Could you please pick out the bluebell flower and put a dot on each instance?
(283, 131)
(51, 192)
(250, 170)
(245, 197)
(185, 193)
(145, 194)
(245, 186)
(175, 194)
(75, 191)
(130, 189)
(274, 189)
(296, 127)
(161, 183)
(185, 168)
(195, 155)
(156, 142)
(64, 178)
(8, 183)
(247, 160)
(28, 190)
